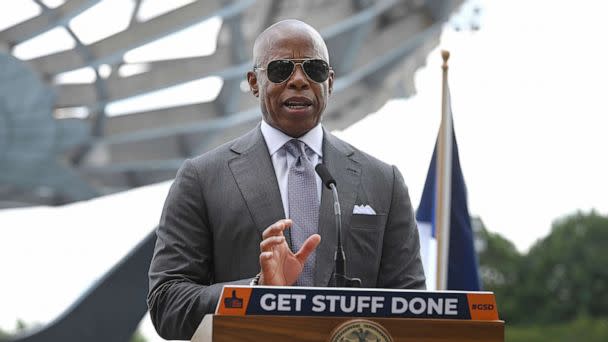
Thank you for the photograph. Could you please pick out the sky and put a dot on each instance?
(529, 114)
(530, 117)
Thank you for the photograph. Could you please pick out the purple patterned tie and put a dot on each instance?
(303, 204)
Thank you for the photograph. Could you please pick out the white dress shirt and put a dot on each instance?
(281, 160)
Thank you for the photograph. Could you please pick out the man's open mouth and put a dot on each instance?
(298, 103)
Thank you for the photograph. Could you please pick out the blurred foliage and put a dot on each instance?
(21, 326)
(582, 329)
(138, 337)
(4, 335)
(565, 274)
(560, 285)
(499, 264)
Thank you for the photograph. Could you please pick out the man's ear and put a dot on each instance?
(331, 81)
(252, 79)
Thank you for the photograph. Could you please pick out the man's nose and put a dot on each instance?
(298, 79)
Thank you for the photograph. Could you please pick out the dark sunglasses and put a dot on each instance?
(280, 70)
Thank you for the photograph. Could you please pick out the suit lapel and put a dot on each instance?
(254, 174)
(339, 159)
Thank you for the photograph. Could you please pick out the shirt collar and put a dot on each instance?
(275, 139)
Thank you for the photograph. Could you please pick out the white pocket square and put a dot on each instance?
(364, 210)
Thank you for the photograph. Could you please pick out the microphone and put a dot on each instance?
(339, 258)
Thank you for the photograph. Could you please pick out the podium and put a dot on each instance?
(337, 314)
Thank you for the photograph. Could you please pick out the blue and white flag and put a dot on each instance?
(462, 273)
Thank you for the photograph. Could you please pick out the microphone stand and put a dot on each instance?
(340, 258)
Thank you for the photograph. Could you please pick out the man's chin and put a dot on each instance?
(297, 130)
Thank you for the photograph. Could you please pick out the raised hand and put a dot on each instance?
(280, 266)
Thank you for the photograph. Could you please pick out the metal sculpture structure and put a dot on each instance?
(375, 48)
(45, 158)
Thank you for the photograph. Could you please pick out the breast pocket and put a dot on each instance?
(360, 221)
(364, 246)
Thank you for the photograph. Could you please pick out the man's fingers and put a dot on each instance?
(308, 247)
(266, 262)
(276, 228)
(264, 257)
(268, 243)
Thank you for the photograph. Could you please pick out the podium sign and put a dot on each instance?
(347, 302)
(272, 313)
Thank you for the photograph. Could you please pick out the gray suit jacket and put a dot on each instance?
(221, 202)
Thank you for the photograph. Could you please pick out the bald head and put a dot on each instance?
(294, 102)
(287, 29)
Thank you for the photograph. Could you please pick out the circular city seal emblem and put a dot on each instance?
(360, 330)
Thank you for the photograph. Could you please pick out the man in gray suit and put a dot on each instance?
(224, 220)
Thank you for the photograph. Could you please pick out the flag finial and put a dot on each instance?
(445, 54)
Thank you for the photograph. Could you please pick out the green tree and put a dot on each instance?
(4, 336)
(499, 264)
(565, 274)
(563, 277)
(138, 337)
(581, 329)
(22, 326)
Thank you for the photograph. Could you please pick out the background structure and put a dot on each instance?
(60, 143)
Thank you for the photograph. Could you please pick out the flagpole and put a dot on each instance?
(444, 181)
